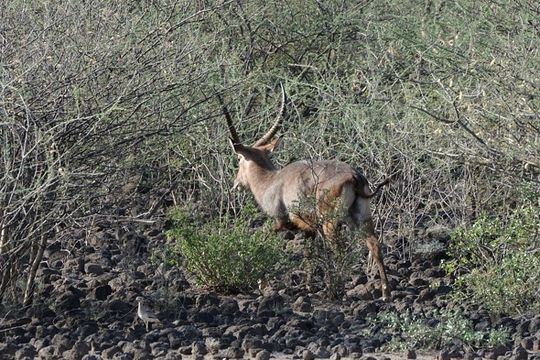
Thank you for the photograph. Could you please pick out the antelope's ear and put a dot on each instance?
(237, 148)
(273, 145)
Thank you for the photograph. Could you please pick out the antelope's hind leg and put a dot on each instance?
(335, 210)
(374, 247)
(361, 215)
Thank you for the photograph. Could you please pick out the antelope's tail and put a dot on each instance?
(363, 187)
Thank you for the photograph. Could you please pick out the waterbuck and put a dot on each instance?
(335, 186)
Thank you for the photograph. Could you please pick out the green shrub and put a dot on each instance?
(510, 285)
(330, 262)
(449, 327)
(226, 254)
(496, 262)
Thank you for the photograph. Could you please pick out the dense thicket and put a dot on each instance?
(100, 98)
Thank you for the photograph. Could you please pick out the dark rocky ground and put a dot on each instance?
(86, 307)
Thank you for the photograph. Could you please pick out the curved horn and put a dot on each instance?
(234, 135)
(277, 124)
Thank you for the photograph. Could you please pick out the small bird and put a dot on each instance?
(145, 313)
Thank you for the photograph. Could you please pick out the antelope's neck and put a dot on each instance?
(261, 181)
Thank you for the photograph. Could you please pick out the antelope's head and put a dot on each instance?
(257, 156)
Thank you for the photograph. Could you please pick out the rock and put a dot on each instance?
(93, 268)
(506, 322)
(263, 355)
(141, 354)
(68, 302)
(175, 340)
(257, 330)
(323, 341)
(456, 351)
(482, 325)
(426, 295)
(207, 299)
(204, 316)
(61, 343)
(189, 332)
(340, 350)
(78, 350)
(536, 344)
(499, 350)
(252, 343)
(158, 348)
(326, 317)
(270, 304)
(127, 347)
(198, 348)
(291, 342)
(534, 325)
(39, 313)
(87, 328)
(522, 328)
(7, 350)
(120, 307)
(253, 352)
(360, 292)
(302, 304)
(26, 352)
(519, 353)
(46, 352)
(363, 309)
(229, 306)
(335, 356)
(121, 282)
(139, 275)
(439, 232)
(171, 355)
(353, 346)
(122, 356)
(90, 357)
(443, 355)
(417, 279)
(298, 277)
(212, 345)
(102, 292)
(38, 342)
(308, 355)
(234, 353)
(274, 323)
(185, 350)
(301, 324)
(527, 343)
(434, 272)
(323, 353)
(110, 352)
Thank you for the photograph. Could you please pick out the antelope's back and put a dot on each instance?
(304, 179)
